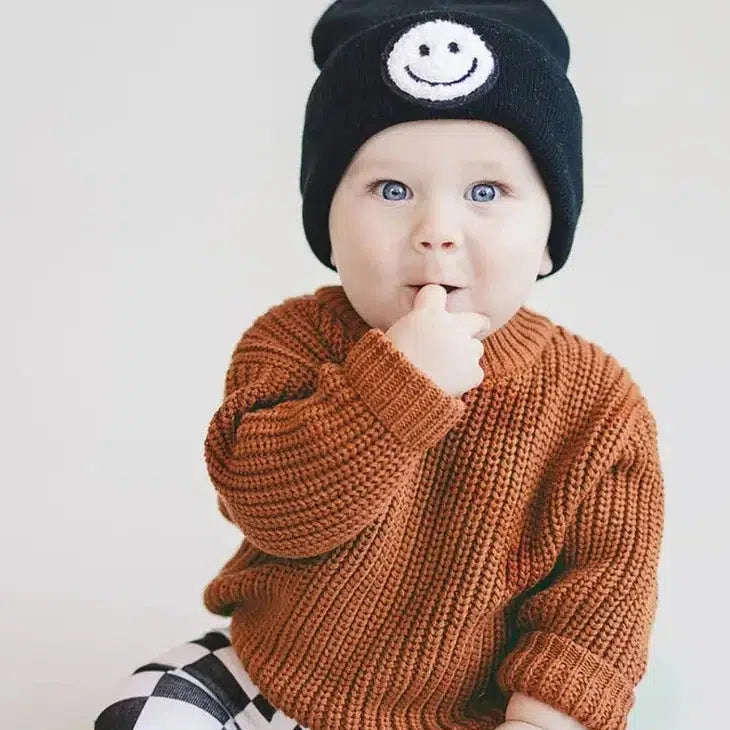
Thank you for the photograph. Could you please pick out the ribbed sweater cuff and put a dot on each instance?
(570, 678)
(400, 395)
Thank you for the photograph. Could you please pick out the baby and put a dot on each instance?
(453, 508)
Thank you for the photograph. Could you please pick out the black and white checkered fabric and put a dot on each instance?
(199, 685)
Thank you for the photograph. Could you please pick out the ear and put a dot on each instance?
(547, 263)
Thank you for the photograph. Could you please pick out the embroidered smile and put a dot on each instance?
(444, 83)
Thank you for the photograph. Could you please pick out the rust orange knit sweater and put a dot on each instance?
(410, 559)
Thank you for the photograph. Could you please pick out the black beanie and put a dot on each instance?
(503, 62)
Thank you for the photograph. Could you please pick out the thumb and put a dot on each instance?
(431, 296)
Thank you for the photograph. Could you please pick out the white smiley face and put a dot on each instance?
(440, 60)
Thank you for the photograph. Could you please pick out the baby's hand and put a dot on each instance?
(442, 344)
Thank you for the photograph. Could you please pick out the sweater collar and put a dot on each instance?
(507, 351)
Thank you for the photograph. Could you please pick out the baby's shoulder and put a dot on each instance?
(313, 306)
(315, 322)
(574, 346)
(587, 369)
(593, 399)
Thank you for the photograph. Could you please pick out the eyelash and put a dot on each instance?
(502, 187)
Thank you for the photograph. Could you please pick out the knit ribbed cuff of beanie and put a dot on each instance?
(570, 678)
(416, 410)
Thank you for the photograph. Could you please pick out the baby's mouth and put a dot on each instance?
(448, 287)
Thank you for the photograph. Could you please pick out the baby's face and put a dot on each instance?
(457, 202)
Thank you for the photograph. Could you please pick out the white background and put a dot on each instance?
(149, 162)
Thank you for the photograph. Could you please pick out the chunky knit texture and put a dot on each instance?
(410, 559)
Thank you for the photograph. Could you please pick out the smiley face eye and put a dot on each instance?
(424, 50)
(454, 47)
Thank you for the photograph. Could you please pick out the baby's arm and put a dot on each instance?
(583, 639)
(305, 453)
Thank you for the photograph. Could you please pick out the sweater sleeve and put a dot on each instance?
(304, 452)
(584, 640)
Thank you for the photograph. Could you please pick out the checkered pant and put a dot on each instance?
(199, 685)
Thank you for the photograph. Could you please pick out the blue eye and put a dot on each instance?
(391, 185)
(487, 192)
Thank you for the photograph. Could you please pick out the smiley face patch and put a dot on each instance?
(439, 61)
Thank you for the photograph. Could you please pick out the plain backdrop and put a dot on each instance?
(150, 210)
